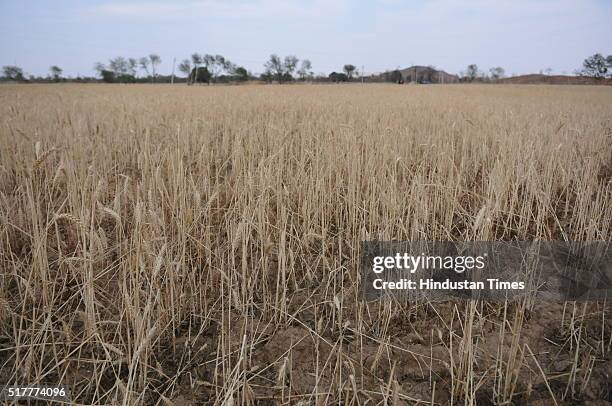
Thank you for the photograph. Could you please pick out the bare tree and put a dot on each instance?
(155, 60)
(121, 69)
(133, 66)
(305, 70)
(216, 64)
(349, 70)
(119, 65)
(497, 73)
(281, 70)
(99, 67)
(290, 64)
(197, 60)
(56, 72)
(275, 67)
(144, 64)
(230, 67)
(472, 72)
(185, 67)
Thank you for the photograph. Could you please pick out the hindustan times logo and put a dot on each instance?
(413, 263)
(486, 270)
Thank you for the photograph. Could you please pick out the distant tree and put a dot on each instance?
(119, 66)
(196, 59)
(119, 69)
(338, 77)
(241, 74)
(154, 60)
(216, 64)
(99, 67)
(200, 75)
(185, 67)
(144, 65)
(305, 70)
(349, 69)
(609, 62)
(596, 66)
(497, 73)
(283, 70)
(230, 68)
(290, 64)
(275, 68)
(133, 66)
(107, 76)
(267, 76)
(13, 73)
(56, 73)
(472, 72)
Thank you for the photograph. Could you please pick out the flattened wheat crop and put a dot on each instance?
(201, 244)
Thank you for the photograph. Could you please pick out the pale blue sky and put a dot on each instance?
(520, 35)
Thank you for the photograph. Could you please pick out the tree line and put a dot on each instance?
(207, 68)
(595, 66)
(125, 70)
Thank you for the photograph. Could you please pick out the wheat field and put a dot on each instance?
(200, 245)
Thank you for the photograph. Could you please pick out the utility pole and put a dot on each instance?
(362, 73)
(173, 63)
